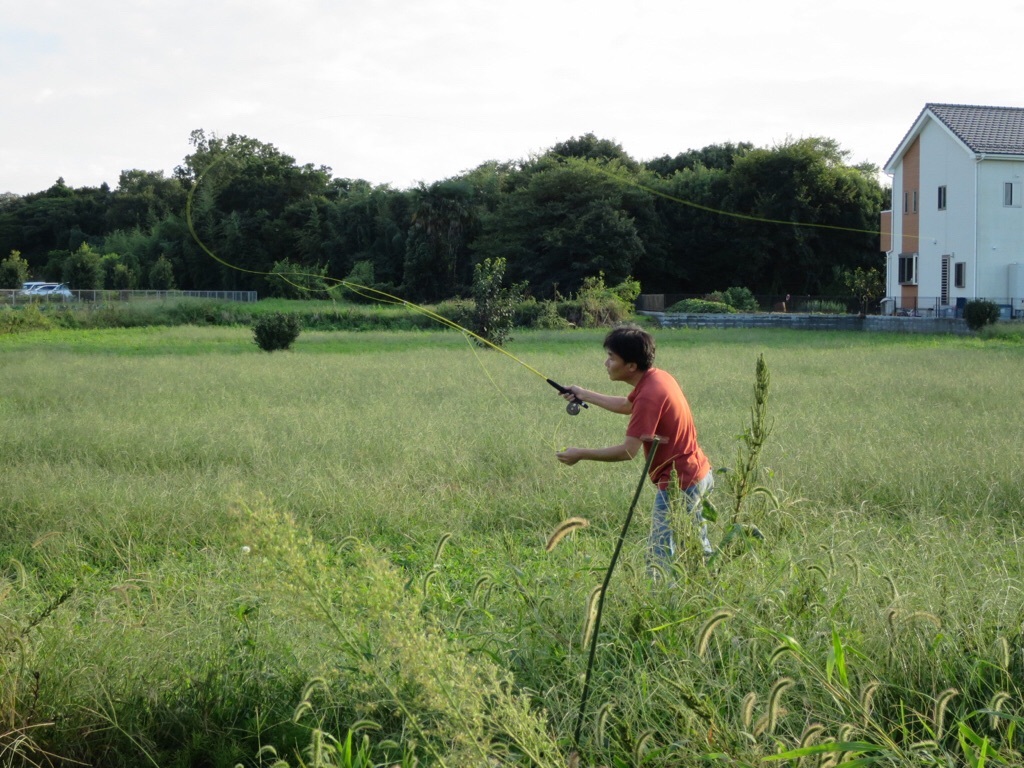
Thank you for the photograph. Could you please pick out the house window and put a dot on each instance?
(906, 202)
(915, 202)
(960, 274)
(1011, 194)
(908, 269)
(942, 197)
(944, 282)
(910, 202)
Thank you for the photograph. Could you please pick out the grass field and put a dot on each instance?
(335, 555)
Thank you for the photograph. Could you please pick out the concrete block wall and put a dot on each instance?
(810, 322)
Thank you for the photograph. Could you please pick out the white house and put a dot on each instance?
(956, 228)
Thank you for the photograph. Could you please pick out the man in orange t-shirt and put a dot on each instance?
(655, 406)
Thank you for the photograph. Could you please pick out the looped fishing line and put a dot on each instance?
(375, 295)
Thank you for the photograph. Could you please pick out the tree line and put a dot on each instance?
(787, 219)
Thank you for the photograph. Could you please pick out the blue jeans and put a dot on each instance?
(661, 545)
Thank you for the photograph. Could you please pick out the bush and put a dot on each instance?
(28, 318)
(979, 312)
(597, 305)
(548, 318)
(741, 299)
(277, 330)
(824, 307)
(194, 312)
(701, 307)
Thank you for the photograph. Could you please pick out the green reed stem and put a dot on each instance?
(604, 590)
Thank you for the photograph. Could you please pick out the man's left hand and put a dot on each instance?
(569, 456)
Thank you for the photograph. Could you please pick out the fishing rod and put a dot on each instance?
(572, 407)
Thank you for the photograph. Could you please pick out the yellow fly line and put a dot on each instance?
(360, 290)
(708, 209)
(376, 294)
(387, 298)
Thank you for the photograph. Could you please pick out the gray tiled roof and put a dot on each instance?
(994, 130)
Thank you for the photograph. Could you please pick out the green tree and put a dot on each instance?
(244, 207)
(493, 302)
(123, 278)
(569, 220)
(367, 223)
(291, 280)
(867, 285)
(437, 244)
(143, 198)
(814, 213)
(689, 246)
(109, 263)
(83, 269)
(161, 275)
(361, 276)
(590, 147)
(716, 156)
(13, 271)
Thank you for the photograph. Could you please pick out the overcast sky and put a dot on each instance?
(403, 91)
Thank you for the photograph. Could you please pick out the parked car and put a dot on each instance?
(30, 287)
(52, 291)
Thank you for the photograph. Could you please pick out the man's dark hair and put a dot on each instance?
(632, 344)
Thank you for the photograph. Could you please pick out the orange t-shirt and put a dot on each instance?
(660, 408)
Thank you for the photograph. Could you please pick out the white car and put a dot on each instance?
(27, 288)
(52, 290)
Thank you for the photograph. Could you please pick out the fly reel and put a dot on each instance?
(574, 405)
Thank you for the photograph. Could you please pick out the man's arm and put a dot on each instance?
(625, 451)
(608, 402)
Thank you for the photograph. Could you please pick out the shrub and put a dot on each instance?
(193, 312)
(980, 312)
(548, 318)
(277, 330)
(701, 307)
(597, 305)
(28, 318)
(741, 299)
(456, 310)
(824, 307)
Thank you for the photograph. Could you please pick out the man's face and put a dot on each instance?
(618, 369)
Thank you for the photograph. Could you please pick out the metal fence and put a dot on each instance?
(1010, 307)
(922, 306)
(813, 322)
(16, 296)
(662, 302)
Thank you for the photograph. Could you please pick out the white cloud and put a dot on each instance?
(400, 91)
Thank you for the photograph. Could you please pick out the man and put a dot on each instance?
(655, 406)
